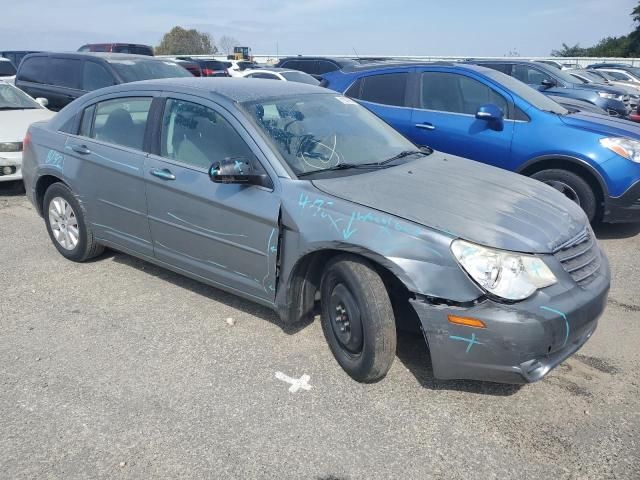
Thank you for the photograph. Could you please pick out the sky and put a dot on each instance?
(323, 27)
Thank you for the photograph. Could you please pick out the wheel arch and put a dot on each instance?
(42, 184)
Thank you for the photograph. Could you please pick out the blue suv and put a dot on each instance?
(485, 115)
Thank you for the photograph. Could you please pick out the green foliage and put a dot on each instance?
(623, 46)
(179, 41)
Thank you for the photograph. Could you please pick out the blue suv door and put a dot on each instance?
(445, 116)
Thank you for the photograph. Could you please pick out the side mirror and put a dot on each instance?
(42, 101)
(548, 83)
(237, 170)
(492, 114)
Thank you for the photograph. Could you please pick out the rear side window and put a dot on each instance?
(307, 66)
(7, 69)
(450, 92)
(64, 72)
(95, 76)
(121, 121)
(34, 70)
(387, 89)
(326, 67)
(529, 75)
(501, 67)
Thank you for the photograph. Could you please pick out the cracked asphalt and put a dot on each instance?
(118, 369)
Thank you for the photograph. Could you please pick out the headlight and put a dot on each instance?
(625, 147)
(10, 146)
(509, 275)
(611, 96)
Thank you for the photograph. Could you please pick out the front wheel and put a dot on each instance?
(357, 318)
(572, 186)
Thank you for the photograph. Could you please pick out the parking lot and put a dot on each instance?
(118, 369)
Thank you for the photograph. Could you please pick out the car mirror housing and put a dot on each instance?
(548, 83)
(237, 170)
(492, 114)
(42, 101)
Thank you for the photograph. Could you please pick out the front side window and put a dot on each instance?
(325, 66)
(317, 132)
(95, 76)
(387, 88)
(450, 92)
(528, 75)
(121, 121)
(198, 136)
(64, 72)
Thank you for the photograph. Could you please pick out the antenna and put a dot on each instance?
(354, 51)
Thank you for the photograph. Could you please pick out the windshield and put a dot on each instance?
(317, 132)
(591, 76)
(300, 77)
(7, 69)
(12, 98)
(528, 94)
(134, 70)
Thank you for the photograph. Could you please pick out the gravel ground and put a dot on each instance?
(118, 369)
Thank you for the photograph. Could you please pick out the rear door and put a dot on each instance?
(386, 95)
(32, 76)
(109, 159)
(64, 79)
(226, 234)
(445, 117)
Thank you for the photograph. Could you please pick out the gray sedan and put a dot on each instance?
(300, 199)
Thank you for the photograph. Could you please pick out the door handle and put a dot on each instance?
(426, 126)
(81, 149)
(163, 173)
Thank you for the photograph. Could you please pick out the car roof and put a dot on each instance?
(107, 56)
(232, 89)
(388, 65)
(339, 60)
(274, 70)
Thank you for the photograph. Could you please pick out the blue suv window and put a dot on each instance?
(450, 92)
(387, 89)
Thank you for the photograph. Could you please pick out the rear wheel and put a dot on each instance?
(65, 221)
(572, 186)
(357, 318)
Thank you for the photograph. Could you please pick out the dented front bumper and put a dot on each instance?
(522, 342)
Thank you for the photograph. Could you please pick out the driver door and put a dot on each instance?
(224, 233)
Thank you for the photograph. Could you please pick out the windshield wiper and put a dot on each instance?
(402, 154)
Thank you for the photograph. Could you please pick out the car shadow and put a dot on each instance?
(612, 231)
(11, 189)
(413, 352)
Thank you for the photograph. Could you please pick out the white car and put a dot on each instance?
(621, 75)
(17, 111)
(238, 67)
(7, 70)
(285, 74)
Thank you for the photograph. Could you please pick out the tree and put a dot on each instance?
(227, 43)
(179, 41)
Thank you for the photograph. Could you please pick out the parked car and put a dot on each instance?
(610, 80)
(238, 66)
(210, 67)
(281, 74)
(315, 66)
(63, 77)
(7, 70)
(283, 192)
(485, 115)
(551, 81)
(132, 48)
(631, 75)
(17, 111)
(192, 67)
(574, 105)
(588, 77)
(16, 56)
(559, 65)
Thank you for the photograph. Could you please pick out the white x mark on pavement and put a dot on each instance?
(296, 384)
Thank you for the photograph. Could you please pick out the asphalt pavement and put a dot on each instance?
(118, 369)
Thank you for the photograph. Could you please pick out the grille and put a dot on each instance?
(580, 257)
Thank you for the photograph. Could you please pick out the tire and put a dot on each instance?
(574, 187)
(354, 297)
(64, 225)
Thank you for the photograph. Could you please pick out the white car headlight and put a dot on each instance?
(611, 96)
(508, 275)
(625, 147)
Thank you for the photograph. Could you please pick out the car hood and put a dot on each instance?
(602, 125)
(467, 199)
(597, 87)
(14, 123)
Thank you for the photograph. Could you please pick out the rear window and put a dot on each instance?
(7, 69)
(34, 69)
(387, 89)
(64, 72)
(134, 70)
(214, 65)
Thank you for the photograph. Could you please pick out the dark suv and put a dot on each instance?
(210, 67)
(133, 48)
(315, 66)
(63, 77)
(551, 81)
(16, 56)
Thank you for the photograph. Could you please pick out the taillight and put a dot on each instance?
(27, 140)
(207, 71)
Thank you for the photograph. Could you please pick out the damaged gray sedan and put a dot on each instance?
(296, 197)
